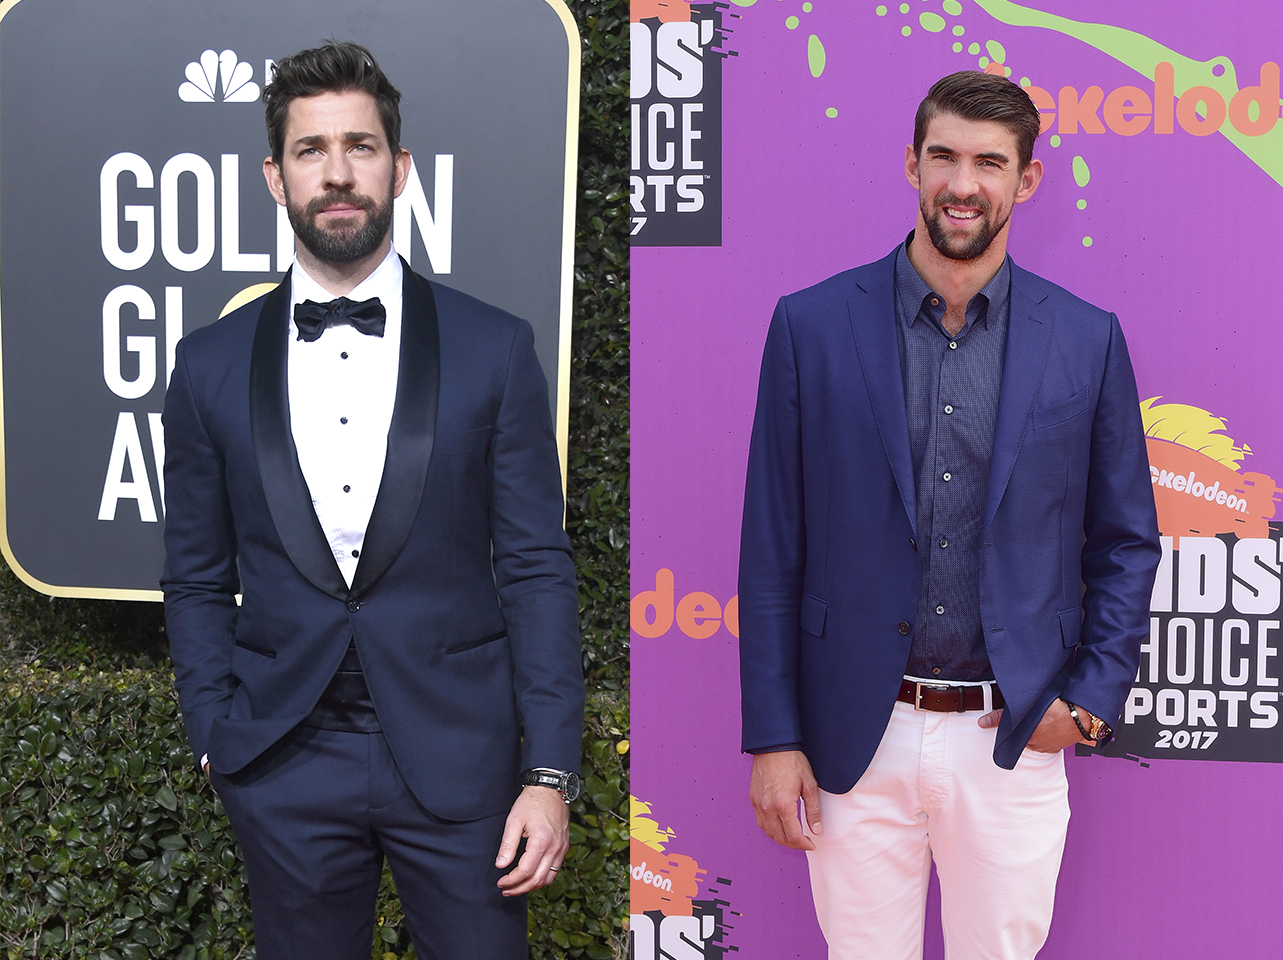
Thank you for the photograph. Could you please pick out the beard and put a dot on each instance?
(961, 249)
(341, 243)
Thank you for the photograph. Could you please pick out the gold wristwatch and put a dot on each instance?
(1097, 730)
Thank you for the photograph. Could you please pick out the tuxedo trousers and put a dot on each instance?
(316, 816)
(933, 791)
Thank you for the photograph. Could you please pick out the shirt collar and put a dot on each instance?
(384, 282)
(915, 295)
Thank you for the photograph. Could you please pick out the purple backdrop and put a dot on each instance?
(1183, 246)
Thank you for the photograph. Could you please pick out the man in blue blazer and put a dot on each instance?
(949, 546)
(368, 459)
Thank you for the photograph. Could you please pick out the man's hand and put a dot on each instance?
(778, 779)
(543, 818)
(1055, 731)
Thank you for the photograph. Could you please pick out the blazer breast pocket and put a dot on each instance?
(1062, 411)
(461, 444)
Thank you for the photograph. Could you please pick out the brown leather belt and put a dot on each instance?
(942, 699)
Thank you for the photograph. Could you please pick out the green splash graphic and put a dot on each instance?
(1143, 54)
(1081, 172)
(931, 21)
(815, 55)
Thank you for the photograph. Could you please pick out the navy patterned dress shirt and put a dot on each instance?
(951, 387)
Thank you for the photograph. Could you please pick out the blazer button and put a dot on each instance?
(903, 627)
(913, 543)
(354, 605)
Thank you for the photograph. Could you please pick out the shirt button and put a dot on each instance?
(902, 626)
(953, 344)
(356, 553)
(343, 355)
(346, 488)
(935, 671)
(354, 605)
(944, 542)
(948, 408)
(947, 477)
(342, 419)
(935, 301)
(939, 610)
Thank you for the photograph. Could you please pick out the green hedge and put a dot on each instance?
(112, 847)
(115, 848)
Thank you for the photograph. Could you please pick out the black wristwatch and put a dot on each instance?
(563, 781)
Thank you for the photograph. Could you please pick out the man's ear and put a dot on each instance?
(911, 168)
(1030, 177)
(275, 180)
(401, 171)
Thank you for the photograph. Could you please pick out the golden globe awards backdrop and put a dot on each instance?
(1162, 201)
(133, 210)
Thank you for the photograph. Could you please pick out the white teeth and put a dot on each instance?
(959, 215)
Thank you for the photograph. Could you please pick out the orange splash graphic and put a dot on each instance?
(668, 11)
(1198, 488)
(662, 881)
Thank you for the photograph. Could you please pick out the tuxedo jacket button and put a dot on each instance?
(354, 605)
(903, 627)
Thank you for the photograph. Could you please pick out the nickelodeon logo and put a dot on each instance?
(1199, 111)
(699, 615)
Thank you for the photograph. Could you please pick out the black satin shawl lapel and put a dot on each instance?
(410, 437)
(288, 499)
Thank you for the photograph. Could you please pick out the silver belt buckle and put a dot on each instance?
(919, 686)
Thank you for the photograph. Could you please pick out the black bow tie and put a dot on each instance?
(312, 318)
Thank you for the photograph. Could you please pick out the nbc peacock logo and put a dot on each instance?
(215, 72)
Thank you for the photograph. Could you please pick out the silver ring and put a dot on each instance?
(554, 869)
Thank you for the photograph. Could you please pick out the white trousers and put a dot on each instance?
(933, 791)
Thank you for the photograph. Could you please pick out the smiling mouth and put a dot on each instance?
(953, 213)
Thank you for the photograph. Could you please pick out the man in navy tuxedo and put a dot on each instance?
(948, 550)
(368, 459)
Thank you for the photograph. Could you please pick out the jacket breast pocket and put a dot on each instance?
(1062, 411)
(813, 614)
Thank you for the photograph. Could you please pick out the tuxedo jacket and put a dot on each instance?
(463, 607)
(829, 572)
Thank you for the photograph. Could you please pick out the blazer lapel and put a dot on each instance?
(1029, 333)
(410, 436)
(872, 315)
(288, 499)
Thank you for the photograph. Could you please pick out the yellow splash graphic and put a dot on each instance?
(1194, 428)
(668, 882)
(644, 828)
(1194, 469)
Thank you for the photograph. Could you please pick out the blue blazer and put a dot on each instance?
(829, 576)
(463, 608)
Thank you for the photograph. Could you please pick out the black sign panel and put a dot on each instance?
(133, 209)
(1211, 670)
(676, 178)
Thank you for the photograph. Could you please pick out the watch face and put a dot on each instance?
(571, 787)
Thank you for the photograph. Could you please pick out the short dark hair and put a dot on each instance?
(335, 67)
(973, 95)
